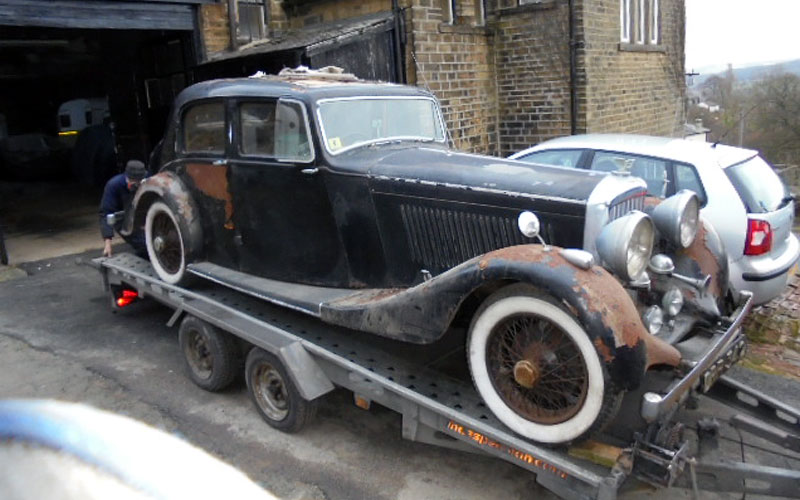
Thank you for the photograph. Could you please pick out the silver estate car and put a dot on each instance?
(741, 195)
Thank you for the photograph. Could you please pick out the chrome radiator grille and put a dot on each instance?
(445, 238)
(625, 205)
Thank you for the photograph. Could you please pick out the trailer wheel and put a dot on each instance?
(536, 369)
(275, 395)
(211, 355)
(165, 235)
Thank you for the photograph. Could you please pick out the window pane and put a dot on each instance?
(292, 141)
(258, 128)
(654, 172)
(560, 158)
(251, 21)
(758, 185)
(686, 178)
(204, 128)
(625, 20)
(654, 21)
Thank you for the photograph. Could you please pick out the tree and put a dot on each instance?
(774, 126)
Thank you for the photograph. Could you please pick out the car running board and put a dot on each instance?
(307, 299)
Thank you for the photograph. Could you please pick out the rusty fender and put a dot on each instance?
(705, 256)
(423, 313)
(167, 187)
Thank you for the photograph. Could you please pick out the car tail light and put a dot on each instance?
(759, 237)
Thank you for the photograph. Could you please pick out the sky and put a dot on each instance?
(740, 32)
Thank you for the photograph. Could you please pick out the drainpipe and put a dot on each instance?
(573, 71)
(233, 22)
(399, 42)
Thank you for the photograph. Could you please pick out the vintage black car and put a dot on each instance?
(340, 198)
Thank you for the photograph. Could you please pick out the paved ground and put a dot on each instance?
(59, 339)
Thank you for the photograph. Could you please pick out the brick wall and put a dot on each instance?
(456, 62)
(334, 10)
(631, 91)
(214, 29)
(532, 54)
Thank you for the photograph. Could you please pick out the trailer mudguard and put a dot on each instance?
(423, 313)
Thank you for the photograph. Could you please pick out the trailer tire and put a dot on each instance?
(535, 367)
(211, 355)
(274, 394)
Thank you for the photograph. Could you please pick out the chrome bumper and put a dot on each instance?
(705, 372)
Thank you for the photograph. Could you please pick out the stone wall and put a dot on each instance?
(456, 62)
(532, 54)
(215, 32)
(630, 88)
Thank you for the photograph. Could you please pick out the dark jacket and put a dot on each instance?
(116, 197)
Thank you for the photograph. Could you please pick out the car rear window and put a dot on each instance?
(758, 185)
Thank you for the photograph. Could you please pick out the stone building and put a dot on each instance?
(509, 73)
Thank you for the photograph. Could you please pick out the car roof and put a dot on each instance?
(302, 88)
(681, 150)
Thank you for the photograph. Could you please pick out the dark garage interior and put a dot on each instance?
(53, 165)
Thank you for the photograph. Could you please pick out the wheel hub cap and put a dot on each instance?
(158, 243)
(526, 373)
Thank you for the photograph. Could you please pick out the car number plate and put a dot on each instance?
(735, 351)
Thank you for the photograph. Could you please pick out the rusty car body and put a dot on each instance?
(341, 199)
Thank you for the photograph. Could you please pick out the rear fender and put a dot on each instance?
(168, 187)
(423, 313)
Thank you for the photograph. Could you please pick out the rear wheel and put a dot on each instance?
(275, 395)
(537, 370)
(165, 236)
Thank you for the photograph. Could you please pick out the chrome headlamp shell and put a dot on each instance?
(625, 245)
(678, 217)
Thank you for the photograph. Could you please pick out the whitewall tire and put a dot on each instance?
(536, 369)
(166, 247)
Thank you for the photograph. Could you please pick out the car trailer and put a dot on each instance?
(295, 359)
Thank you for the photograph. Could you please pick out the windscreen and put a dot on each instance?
(348, 123)
(758, 185)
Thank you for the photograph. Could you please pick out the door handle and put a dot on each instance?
(219, 163)
(310, 171)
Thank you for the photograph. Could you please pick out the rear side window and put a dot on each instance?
(758, 185)
(686, 178)
(258, 128)
(653, 171)
(559, 158)
(204, 128)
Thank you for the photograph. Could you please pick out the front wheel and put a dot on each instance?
(536, 369)
(165, 236)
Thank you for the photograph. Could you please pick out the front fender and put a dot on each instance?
(423, 313)
(166, 186)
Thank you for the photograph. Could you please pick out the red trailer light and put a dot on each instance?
(759, 237)
(127, 297)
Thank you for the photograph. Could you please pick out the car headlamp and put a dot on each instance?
(625, 245)
(672, 301)
(653, 319)
(678, 218)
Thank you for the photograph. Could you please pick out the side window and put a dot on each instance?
(559, 158)
(292, 141)
(653, 171)
(258, 128)
(686, 178)
(204, 128)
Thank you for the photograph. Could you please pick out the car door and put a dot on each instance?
(285, 227)
(201, 163)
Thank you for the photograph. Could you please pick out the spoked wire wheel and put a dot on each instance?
(165, 243)
(536, 368)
